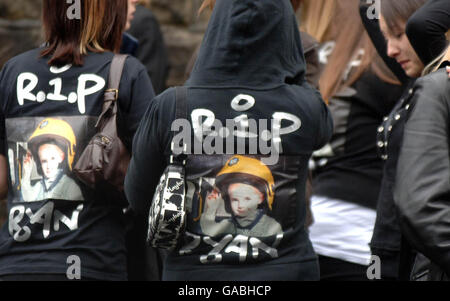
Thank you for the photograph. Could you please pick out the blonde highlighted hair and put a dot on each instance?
(339, 21)
(437, 62)
(207, 4)
(316, 18)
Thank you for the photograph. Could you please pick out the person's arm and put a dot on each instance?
(313, 67)
(135, 96)
(372, 27)
(3, 178)
(427, 27)
(152, 50)
(147, 162)
(422, 190)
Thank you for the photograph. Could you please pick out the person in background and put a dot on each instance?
(151, 50)
(391, 41)
(424, 152)
(422, 188)
(347, 172)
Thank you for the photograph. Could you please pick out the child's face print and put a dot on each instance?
(50, 157)
(244, 199)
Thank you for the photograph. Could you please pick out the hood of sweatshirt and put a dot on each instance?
(250, 43)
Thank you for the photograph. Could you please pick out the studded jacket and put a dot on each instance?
(387, 240)
(422, 190)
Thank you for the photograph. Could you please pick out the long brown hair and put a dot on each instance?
(99, 28)
(344, 26)
(316, 18)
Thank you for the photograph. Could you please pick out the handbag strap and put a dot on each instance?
(181, 102)
(180, 113)
(112, 92)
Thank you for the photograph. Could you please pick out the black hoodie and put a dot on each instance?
(250, 67)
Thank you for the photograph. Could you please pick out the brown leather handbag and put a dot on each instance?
(104, 162)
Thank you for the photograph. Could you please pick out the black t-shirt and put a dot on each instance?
(57, 225)
(349, 167)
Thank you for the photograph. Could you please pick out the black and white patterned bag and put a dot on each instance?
(167, 216)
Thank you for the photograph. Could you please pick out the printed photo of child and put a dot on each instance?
(241, 200)
(51, 150)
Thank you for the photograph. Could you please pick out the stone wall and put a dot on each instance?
(20, 29)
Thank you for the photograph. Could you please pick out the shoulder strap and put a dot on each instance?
(112, 93)
(181, 102)
(180, 113)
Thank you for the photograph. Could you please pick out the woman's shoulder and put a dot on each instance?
(436, 83)
(23, 59)
(432, 93)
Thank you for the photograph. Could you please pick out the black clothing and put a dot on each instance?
(422, 188)
(244, 59)
(129, 44)
(41, 234)
(426, 29)
(152, 51)
(333, 269)
(349, 168)
(388, 242)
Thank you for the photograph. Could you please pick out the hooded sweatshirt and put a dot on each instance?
(250, 71)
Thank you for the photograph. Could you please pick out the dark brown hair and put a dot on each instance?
(395, 12)
(99, 29)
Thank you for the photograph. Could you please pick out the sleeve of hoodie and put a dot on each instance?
(136, 87)
(427, 27)
(147, 161)
(422, 192)
(325, 123)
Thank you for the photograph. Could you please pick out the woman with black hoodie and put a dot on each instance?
(250, 71)
(388, 241)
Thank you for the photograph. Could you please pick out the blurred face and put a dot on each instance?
(244, 199)
(400, 49)
(131, 11)
(50, 157)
